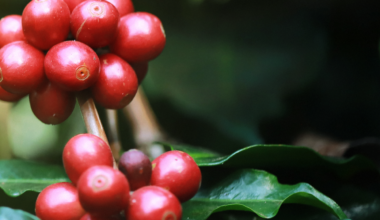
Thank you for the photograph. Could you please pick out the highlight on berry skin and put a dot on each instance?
(136, 166)
(48, 54)
(72, 65)
(84, 151)
(150, 196)
(22, 68)
(11, 30)
(140, 38)
(59, 199)
(103, 190)
(46, 23)
(117, 83)
(177, 172)
(94, 23)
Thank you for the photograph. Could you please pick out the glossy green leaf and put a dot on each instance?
(19, 176)
(12, 214)
(252, 190)
(195, 152)
(269, 157)
(356, 204)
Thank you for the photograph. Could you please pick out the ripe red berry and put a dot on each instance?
(137, 167)
(73, 3)
(11, 30)
(9, 97)
(21, 67)
(153, 203)
(51, 104)
(72, 65)
(95, 23)
(91, 217)
(84, 151)
(141, 69)
(177, 172)
(46, 22)
(59, 202)
(123, 6)
(140, 37)
(103, 191)
(117, 83)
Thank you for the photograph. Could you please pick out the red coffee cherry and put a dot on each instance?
(11, 30)
(59, 202)
(72, 65)
(46, 22)
(21, 68)
(140, 37)
(84, 151)
(141, 69)
(123, 6)
(153, 203)
(91, 217)
(117, 83)
(177, 172)
(95, 23)
(9, 97)
(137, 167)
(51, 104)
(103, 191)
(73, 3)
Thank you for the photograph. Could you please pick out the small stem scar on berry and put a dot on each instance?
(113, 131)
(144, 123)
(91, 117)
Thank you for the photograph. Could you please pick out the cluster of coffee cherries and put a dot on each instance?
(50, 53)
(138, 190)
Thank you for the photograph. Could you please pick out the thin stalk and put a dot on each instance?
(144, 124)
(322, 144)
(91, 117)
(5, 149)
(113, 132)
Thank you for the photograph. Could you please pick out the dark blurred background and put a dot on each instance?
(237, 72)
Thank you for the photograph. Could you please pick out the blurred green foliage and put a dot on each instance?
(264, 71)
(238, 72)
(31, 139)
(231, 64)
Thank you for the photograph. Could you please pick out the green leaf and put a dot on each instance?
(18, 176)
(252, 190)
(8, 213)
(356, 203)
(195, 152)
(268, 157)
(359, 199)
